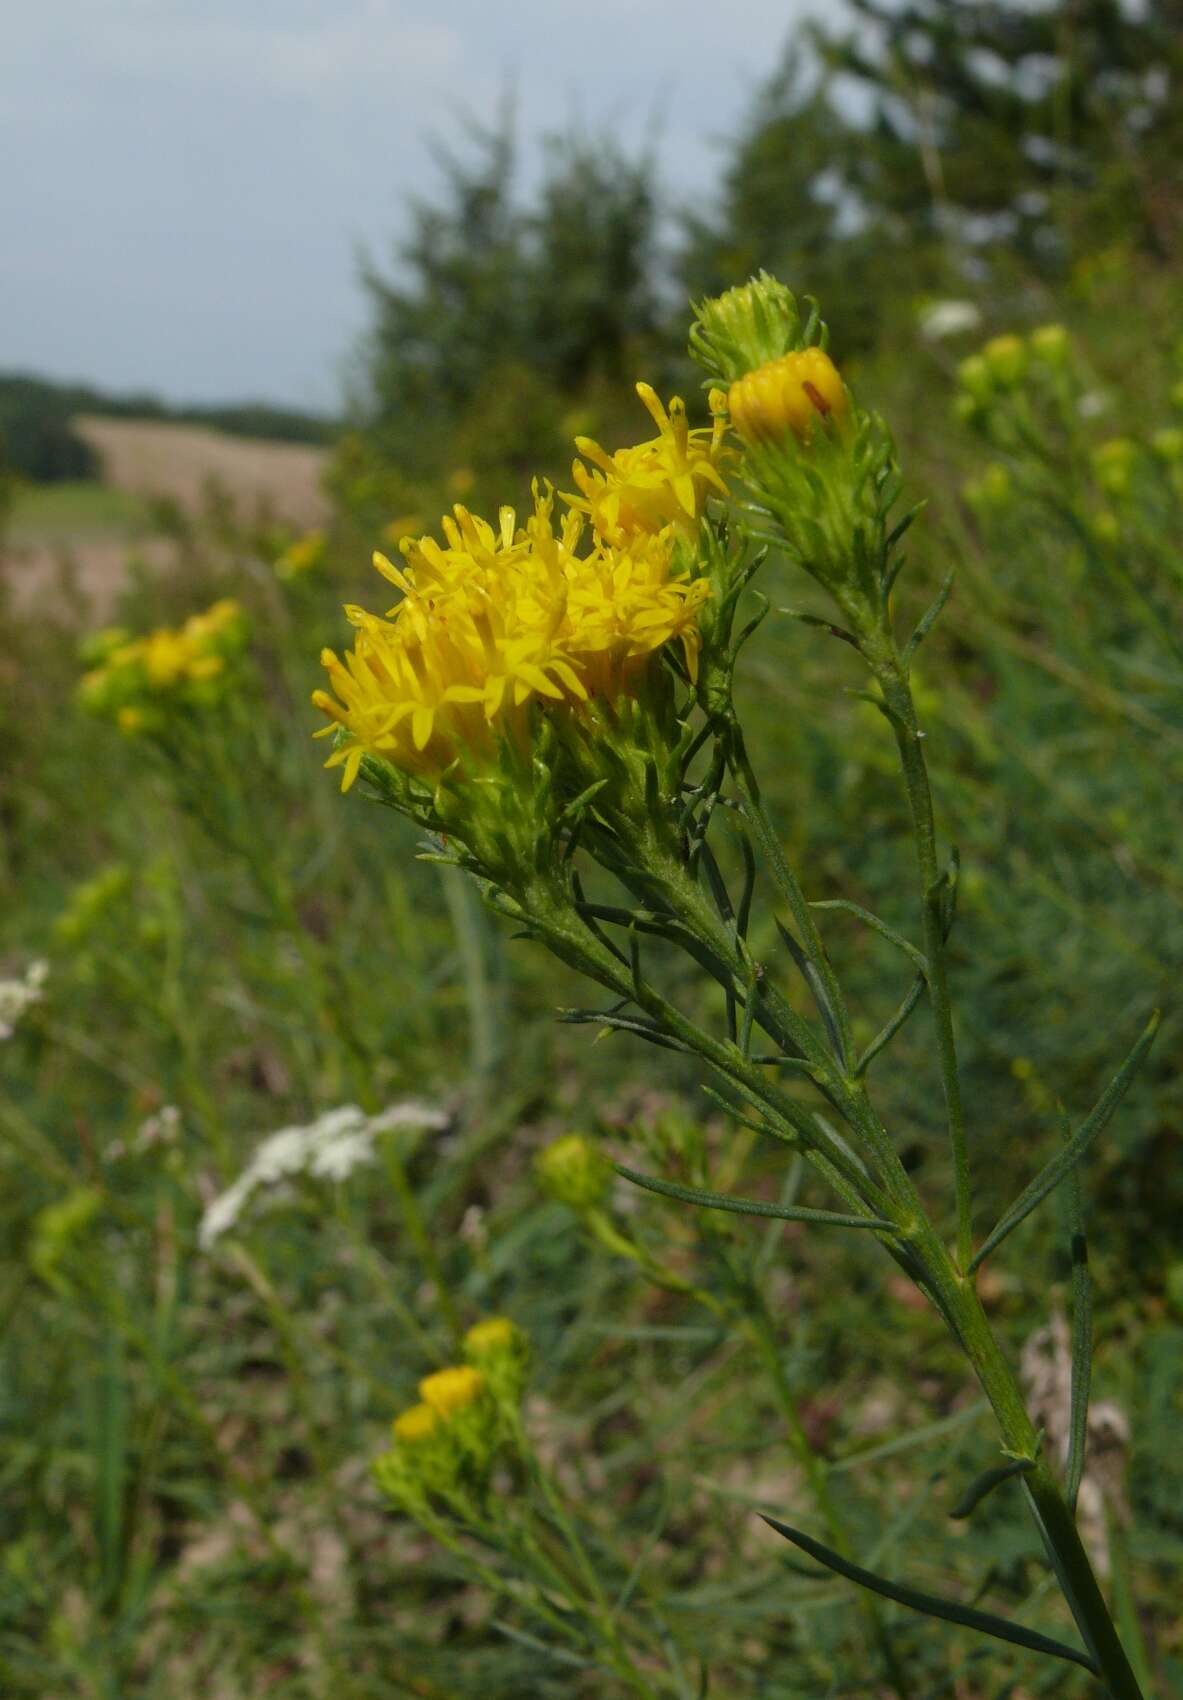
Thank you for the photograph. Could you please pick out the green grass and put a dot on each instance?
(53, 513)
(185, 1434)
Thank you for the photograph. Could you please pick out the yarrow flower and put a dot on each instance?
(639, 491)
(329, 1148)
(17, 997)
(494, 619)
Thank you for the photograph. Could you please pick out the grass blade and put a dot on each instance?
(1050, 1177)
(1082, 1339)
(968, 1617)
(752, 1206)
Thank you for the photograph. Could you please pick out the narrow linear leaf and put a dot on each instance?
(915, 956)
(1082, 1338)
(977, 1490)
(1051, 1176)
(932, 1604)
(817, 989)
(891, 1027)
(928, 619)
(753, 1206)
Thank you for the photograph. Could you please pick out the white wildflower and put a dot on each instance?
(939, 319)
(330, 1148)
(18, 996)
(1092, 404)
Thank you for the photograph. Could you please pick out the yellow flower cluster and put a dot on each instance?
(446, 1442)
(303, 557)
(494, 618)
(651, 485)
(136, 677)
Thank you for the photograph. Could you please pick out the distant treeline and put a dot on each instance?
(38, 441)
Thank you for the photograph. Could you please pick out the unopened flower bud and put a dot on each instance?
(500, 1351)
(574, 1172)
(1050, 344)
(745, 328)
(1113, 465)
(1006, 358)
(798, 393)
(974, 376)
(1168, 444)
(991, 491)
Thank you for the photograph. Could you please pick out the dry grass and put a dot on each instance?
(182, 461)
(71, 555)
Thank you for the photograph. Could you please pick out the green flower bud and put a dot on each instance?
(973, 374)
(746, 328)
(1006, 359)
(574, 1172)
(1113, 465)
(500, 1350)
(1051, 345)
(991, 491)
(1168, 444)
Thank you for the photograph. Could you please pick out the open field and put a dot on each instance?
(86, 530)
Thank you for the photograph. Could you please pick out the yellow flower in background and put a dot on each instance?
(494, 1334)
(797, 393)
(450, 1390)
(303, 556)
(139, 677)
(406, 525)
(639, 491)
(417, 1424)
(490, 620)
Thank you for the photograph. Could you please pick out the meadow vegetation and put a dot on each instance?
(285, 1114)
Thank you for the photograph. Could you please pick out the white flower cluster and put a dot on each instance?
(941, 319)
(16, 996)
(329, 1148)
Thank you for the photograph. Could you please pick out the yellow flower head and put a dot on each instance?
(799, 393)
(494, 1335)
(417, 1424)
(451, 1390)
(303, 556)
(639, 491)
(492, 619)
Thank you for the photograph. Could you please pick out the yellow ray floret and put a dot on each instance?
(639, 491)
(491, 619)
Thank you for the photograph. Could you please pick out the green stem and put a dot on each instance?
(892, 676)
(1045, 1497)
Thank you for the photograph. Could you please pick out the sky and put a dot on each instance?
(187, 184)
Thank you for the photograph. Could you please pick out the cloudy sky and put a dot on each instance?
(186, 183)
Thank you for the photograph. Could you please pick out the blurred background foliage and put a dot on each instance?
(187, 1430)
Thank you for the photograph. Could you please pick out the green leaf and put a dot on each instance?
(1051, 1176)
(817, 990)
(915, 956)
(977, 1490)
(932, 1604)
(1082, 1337)
(928, 619)
(752, 1206)
(891, 1027)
